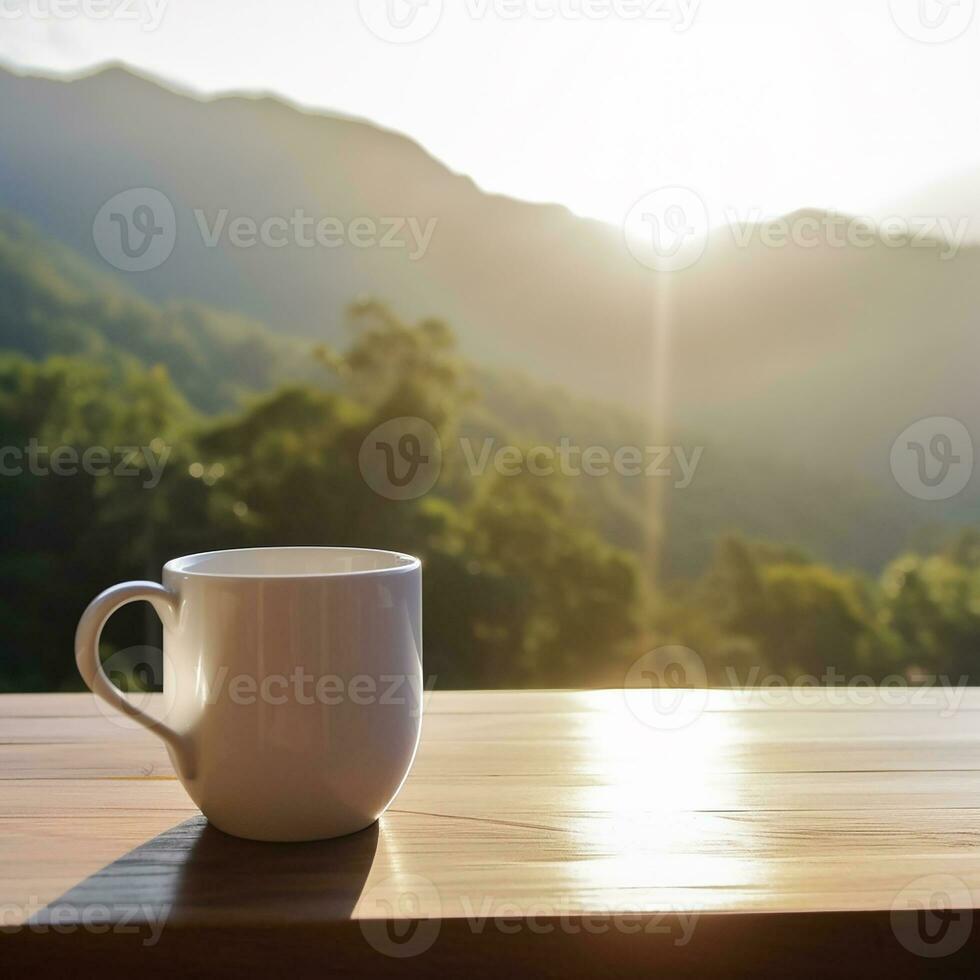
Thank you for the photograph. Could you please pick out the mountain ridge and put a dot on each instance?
(764, 350)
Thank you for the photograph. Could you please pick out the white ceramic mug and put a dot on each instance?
(292, 683)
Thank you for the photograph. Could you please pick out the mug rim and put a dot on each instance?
(400, 563)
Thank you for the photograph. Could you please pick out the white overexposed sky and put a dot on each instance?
(756, 104)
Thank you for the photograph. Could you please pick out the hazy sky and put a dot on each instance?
(767, 104)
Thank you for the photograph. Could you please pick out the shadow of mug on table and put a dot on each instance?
(195, 874)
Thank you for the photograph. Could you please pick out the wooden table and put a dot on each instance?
(560, 832)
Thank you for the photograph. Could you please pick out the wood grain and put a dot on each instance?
(523, 808)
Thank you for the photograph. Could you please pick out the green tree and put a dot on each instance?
(768, 606)
(932, 606)
(68, 535)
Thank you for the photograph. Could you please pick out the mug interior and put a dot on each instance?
(291, 562)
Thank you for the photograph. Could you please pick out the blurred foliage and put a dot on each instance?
(769, 610)
(517, 590)
(521, 589)
(529, 581)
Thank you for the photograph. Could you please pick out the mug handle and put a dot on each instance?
(87, 637)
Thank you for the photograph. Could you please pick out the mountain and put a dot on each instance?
(823, 354)
(520, 282)
(54, 302)
(794, 357)
(768, 344)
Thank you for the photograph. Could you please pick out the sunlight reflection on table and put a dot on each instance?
(584, 800)
(648, 782)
